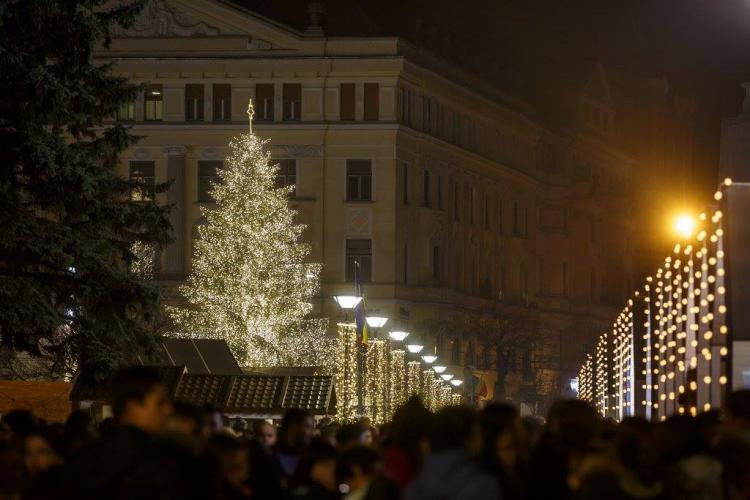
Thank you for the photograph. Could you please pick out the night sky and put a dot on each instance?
(526, 46)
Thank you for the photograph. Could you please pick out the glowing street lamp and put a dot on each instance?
(415, 348)
(446, 376)
(429, 358)
(439, 368)
(456, 382)
(347, 301)
(684, 225)
(398, 335)
(376, 321)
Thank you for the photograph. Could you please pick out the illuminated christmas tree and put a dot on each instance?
(250, 283)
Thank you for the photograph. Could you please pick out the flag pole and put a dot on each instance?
(360, 321)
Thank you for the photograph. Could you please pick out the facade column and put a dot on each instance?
(174, 255)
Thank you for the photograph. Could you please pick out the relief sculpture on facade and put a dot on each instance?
(159, 18)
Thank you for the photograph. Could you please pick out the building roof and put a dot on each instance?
(234, 394)
(199, 356)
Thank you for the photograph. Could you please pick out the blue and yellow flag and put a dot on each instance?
(359, 311)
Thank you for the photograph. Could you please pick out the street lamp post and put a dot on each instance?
(347, 303)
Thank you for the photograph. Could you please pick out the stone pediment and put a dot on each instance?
(175, 19)
(160, 19)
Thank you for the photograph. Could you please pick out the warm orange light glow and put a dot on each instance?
(685, 225)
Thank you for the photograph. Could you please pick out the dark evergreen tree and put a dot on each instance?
(67, 219)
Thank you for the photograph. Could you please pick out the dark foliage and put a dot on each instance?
(66, 292)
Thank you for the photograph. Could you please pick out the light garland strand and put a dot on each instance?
(677, 321)
(346, 373)
(377, 383)
(251, 282)
(397, 386)
(413, 378)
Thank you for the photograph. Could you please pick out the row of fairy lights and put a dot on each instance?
(389, 380)
(684, 307)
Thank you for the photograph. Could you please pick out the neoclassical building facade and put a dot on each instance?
(470, 218)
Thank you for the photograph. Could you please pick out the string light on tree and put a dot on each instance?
(250, 282)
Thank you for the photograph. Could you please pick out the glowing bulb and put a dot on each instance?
(376, 321)
(398, 336)
(347, 301)
(415, 348)
(685, 225)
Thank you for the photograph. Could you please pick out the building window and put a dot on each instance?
(222, 97)
(194, 102)
(520, 221)
(456, 202)
(406, 264)
(426, 114)
(346, 102)
(358, 180)
(406, 183)
(426, 188)
(436, 262)
(292, 96)
(526, 223)
(455, 352)
(126, 111)
(501, 282)
(473, 278)
(404, 103)
(499, 222)
(457, 274)
(440, 192)
(541, 281)
(208, 175)
(142, 172)
(469, 358)
(287, 175)
(372, 101)
(264, 102)
(470, 206)
(487, 212)
(152, 103)
(523, 281)
(359, 251)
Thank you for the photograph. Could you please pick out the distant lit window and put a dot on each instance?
(263, 102)
(358, 180)
(126, 111)
(193, 102)
(142, 173)
(208, 175)
(347, 101)
(153, 103)
(372, 101)
(287, 175)
(292, 96)
(359, 252)
(222, 102)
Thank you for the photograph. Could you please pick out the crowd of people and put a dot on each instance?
(153, 448)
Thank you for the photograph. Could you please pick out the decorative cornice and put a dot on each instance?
(142, 154)
(211, 154)
(298, 151)
(175, 151)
